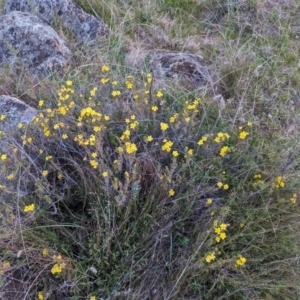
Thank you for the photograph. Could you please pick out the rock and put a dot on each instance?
(84, 26)
(25, 39)
(188, 68)
(15, 111)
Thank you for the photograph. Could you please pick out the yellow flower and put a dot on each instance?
(3, 157)
(41, 103)
(249, 124)
(130, 147)
(104, 80)
(164, 126)
(2, 117)
(93, 92)
(209, 201)
(149, 78)
(175, 153)
(219, 184)
(45, 173)
(210, 257)
(115, 82)
(243, 135)
(69, 83)
(58, 268)
(167, 145)
(279, 183)
(48, 157)
(94, 154)
(105, 68)
(92, 298)
(240, 261)
(105, 174)
(159, 94)
(62, 110)
(293, 199)
(129, 85)
(10, 177)
(154, 108)
(94, 163)
(226, 186)
(224, 150)
(223, 226)
(115, 93)
(29, 208)
(202, 140)
(190, 152)
(45, 252)
(149, 138)
(64, 136)
(40, 296)
(171, 192)
(106, 118)
(173, 118)
(222, 235)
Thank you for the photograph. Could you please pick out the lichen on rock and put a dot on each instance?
(25, 40)
(84, 26)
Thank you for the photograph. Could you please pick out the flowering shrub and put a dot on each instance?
(121, 182)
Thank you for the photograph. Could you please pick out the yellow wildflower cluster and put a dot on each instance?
(221, 137)
(115, 93)
(222, 185)
(258, 181)
(29, 208)
(243, 134)
(93, 92)
(130, 147)
(129, 83)
(149, 78)
(89, 112)
(132, 122)
(173, 118)
(91, 140)
(202, 140)
(220, 231)
(164, 126)
(279, 182)
(149, 138)
(94, 163)
(210, 257)
(59, 266)
(125, 135)
(293, 199)
(224, 150)
(167, 145)
(190, 109)
(105, 68)
(240, 261)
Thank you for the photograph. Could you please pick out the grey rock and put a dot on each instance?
(15, 111)
(26, 40)
(84, 26)
(188, 68)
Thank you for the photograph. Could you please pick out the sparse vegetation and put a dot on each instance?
(124, 187)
